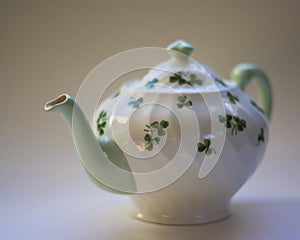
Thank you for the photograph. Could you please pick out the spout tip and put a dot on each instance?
(61, 99)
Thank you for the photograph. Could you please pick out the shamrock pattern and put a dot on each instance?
(184, 102)
(150, 84)
(153, 133)
(135, 103)
(205, 147)
(180, 78)
(234, 122)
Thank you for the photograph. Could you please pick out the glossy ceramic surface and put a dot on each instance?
(180, 110)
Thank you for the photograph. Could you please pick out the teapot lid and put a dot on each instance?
(181, 73)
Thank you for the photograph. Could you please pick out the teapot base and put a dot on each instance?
(180, 220)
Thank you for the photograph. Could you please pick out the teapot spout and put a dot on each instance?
(102, 159)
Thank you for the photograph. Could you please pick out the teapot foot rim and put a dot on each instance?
(177, 221)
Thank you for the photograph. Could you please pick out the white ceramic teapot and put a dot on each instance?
(181, 141)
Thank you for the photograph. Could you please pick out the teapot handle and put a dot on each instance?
(242, 74)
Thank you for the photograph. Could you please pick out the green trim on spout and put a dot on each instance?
(105, 164)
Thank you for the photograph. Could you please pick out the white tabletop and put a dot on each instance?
(107, 218)
(89, 213)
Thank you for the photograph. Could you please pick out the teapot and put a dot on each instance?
(180, 141)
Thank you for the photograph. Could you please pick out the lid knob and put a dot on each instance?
(182, 47)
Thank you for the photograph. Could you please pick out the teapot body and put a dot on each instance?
(189, 199)
(181, 141)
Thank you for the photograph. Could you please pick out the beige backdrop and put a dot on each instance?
(48, 47)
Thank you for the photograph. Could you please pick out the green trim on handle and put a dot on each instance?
(242, 74)
(182, 47)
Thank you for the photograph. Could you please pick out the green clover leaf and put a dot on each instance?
(233, 122)
(195, 80)
(149, 146)
(261, 137)
(154, 131)
(116, 94)
(232, 98)
(180, 105)
(205, 147)
(135, 103)
(151, 83)
(164, 123)
(222, 119)
(254, 104)
(222, 83)
(178, 78)
(101, 122)
(201, 147)
(184, 102)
